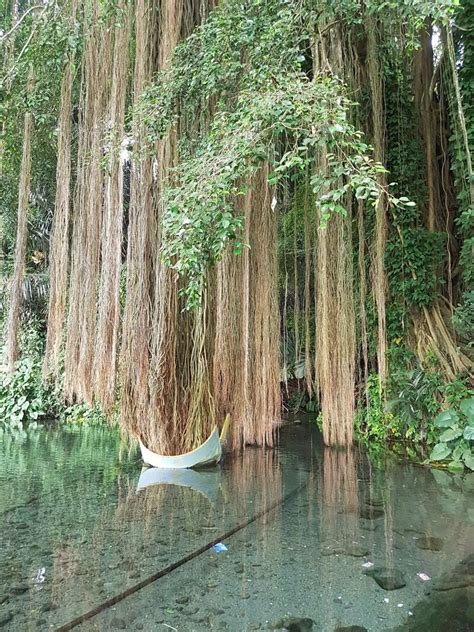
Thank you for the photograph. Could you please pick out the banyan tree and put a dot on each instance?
(249, 190)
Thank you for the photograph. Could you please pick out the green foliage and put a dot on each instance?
(416, 402)
(199, 219)
(374, 422)
(413, 415)
(36, 49)
(24, 400)
(414, 255)
(83, 415)
(464, 316)
(416, 398)
(456, 441)
(250, 57)
(295, 401)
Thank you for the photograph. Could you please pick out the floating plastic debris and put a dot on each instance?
(368, 564)
(387, 600)
(219, 547)
(40, 575)
(399, 605)
(424, 577)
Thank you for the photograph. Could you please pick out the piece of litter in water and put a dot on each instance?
(219, 547)
(424, 577)
(399, 605)
(40, 575)
(368, 564)
(386, 599)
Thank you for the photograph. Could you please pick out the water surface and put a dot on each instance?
(304, 526)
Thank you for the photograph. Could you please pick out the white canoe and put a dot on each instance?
(206, 482)
(206, 454)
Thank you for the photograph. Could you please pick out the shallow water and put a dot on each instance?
(301, 524)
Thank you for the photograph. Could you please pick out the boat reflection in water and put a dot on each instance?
(206, 482)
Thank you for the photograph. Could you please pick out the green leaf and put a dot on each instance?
(456, 466)
(468, 458)
(467, 407)
(469, 433)
(446, 419)
(450, 434)
(440, 452)
(459, 451)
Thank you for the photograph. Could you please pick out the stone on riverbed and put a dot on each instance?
(375, 502)
(352, 550)
(5, 618)
(429, 543)
(450, 611)
(387, 578)
(19, 589)
(461, 577)
(293, 624)
(371, 513)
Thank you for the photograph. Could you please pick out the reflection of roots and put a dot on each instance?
(432, 334)
(158, 513)
(255, 476)
(340, 493)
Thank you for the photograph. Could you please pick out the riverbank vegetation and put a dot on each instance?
(240, 208)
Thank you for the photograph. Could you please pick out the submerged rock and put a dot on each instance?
(118, 623)
(442, 612)
(19, 589)
(5, 618)
(429, 543)
(350, 628)
(293, 624)
(386, 578)
(461, 577)
(371, 513)
(353, 550)
(374, 502)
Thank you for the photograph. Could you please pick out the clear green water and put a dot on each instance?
(75, 532)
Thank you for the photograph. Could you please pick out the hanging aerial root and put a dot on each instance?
(433, 335)
(246, 371)
(86, 239)
(142, 248)
(379, 281)
(105, 360)
(16, 286)
(59, 241)
(335, 328)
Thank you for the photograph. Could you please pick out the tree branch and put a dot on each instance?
(17, 24)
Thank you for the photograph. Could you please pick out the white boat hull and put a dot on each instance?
(208, 453)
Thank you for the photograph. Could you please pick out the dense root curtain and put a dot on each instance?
(246, 369)
(175, 373)
(87, 229)
(335, 323)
